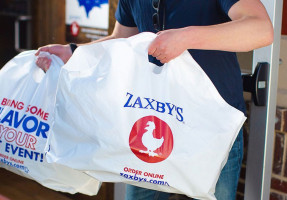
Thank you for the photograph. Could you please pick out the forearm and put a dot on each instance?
(109, 37)
(120, 31)
(249, 29)
(240, 35)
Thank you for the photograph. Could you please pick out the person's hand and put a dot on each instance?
(62, 51)
(168, 45)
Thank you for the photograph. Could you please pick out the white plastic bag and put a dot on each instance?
(27, 97)
(124, 119)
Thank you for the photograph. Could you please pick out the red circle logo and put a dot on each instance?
(151, 139)
(74, 28)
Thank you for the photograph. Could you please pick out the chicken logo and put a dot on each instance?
(151, 139)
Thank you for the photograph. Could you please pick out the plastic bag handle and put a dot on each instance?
(142, 42)
(58, 61)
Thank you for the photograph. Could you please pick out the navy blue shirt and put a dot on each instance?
(222, 67)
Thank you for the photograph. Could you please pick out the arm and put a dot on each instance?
(65, 52)
(249, 29)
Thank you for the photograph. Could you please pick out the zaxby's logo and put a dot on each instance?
(151, 139)
(152, 104)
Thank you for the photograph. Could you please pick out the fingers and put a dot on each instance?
(163, 60)
(161, 56)
(43, 63)
(45, 48)
(152, 49)
(157, 49)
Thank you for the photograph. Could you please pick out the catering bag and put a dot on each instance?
(121, 118)
(27, 98)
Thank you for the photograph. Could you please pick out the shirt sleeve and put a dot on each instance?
(124, 14)
(227, 4)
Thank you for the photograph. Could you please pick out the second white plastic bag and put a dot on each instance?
(27, 99)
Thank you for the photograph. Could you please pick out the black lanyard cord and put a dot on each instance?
(164, 13)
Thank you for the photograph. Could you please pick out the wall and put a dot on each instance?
(48, 22)
(282, 78)
(278, 189)
(279, 172)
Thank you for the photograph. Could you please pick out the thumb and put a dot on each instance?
(152, 48)
(46, 48)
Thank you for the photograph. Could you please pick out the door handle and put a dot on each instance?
(17, 22)
(257, 83)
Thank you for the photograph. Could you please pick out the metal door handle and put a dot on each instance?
(257, 83)
(18, 32)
